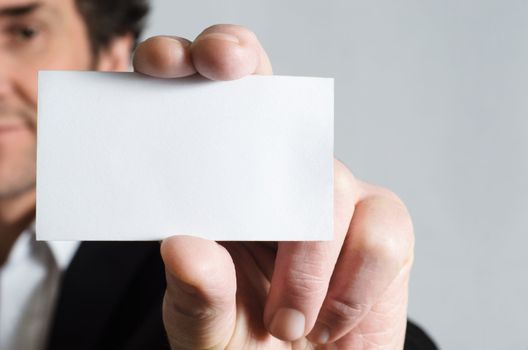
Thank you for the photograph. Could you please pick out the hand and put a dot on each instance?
(349, 293)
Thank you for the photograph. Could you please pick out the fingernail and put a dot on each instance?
(320, 333)
(288, 324)
(219, 36)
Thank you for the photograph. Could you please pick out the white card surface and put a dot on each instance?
(121, 156)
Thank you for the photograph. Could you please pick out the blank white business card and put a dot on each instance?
(121, 156)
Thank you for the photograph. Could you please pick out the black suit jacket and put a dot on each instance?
(111, 298)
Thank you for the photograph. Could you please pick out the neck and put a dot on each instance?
(16, 213)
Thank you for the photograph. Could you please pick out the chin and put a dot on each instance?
(16, 183)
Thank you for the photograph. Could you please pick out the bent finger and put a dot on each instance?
(164, 57)
(228, 52)
(303, 269)
(378, 246)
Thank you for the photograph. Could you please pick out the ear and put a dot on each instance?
(116, 56)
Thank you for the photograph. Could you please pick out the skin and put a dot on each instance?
(31, 35)
(349, 293)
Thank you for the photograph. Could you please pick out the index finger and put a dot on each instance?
(303, 269)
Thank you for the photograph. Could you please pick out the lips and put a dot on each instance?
(10, 128)
(16, 119)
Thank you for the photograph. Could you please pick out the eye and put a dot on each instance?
(24, 33)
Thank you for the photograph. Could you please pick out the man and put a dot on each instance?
(350, 293)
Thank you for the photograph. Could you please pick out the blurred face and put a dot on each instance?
(34, 35)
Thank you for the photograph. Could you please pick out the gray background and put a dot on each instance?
(430, 102)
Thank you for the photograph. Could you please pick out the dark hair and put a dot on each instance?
(107, 19)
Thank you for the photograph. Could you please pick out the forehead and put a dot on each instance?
(16, 8)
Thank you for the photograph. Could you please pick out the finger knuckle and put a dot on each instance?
(344, 180)
(303, 285)
(191, 311)
(390, 234)
(339, 311)
(386, 249)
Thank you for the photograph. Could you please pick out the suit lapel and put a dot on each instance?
(91, 290)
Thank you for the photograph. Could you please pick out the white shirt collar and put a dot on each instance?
(62, 251)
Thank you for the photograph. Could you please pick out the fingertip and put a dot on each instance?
(198, 262)
(300, 282)
(164, 57)
(320, 333)
(223, 56)
(288, 324)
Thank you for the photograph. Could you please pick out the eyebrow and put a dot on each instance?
(19, 10)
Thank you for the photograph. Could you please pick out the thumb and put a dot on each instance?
(199, 308)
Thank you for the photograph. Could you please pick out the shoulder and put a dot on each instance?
(417, 339)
